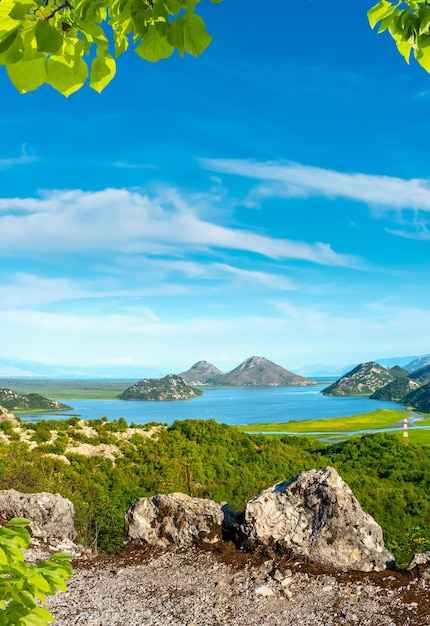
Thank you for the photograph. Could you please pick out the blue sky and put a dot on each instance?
(269, 198)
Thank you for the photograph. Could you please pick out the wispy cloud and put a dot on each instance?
(134, 166)
(295, 180)
(213, 271)
(118, 220)
(23, 159)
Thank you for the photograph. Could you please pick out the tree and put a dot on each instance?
(63, 42)
(408, 22)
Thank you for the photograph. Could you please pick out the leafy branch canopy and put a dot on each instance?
(64, 42)
(408, 22)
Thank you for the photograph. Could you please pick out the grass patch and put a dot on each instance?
(384, 418)
(417, 435)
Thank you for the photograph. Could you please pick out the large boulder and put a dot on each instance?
(316, 517)
(176, 519)
(50, 515)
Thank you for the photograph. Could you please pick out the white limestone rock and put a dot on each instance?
(50, 515)
(316, 517)
(176, 519)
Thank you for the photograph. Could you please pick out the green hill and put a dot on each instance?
(171, 387)
(396, 390)
(419, 399)
(28, 402)
(363, 380)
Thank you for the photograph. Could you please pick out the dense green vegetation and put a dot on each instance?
(217, 461)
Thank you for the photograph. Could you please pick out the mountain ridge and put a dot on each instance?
(255, 371)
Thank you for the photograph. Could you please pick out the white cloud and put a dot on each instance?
(216, 271)
(23, 159)
(296, 180)
(117, 220)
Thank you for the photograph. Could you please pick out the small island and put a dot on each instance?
(13, 401)
(171, 387)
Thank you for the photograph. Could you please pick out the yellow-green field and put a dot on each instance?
(339, 428)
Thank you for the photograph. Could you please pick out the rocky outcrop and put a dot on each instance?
(171, 387)
(6, 416)
(176, 519)
(50, 515)
(316, 517)
(312, 517)
(363, 380)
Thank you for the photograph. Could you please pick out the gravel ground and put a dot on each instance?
(223, 586)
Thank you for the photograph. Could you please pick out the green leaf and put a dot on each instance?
(196, 36)
(175, 35)
(102, 71)
(153, 47)
(32, 619)
(13, 53)
(62, 556)
(423, 54)
(27, 75)
(47, 615)
(7, 40)
(404, 47)
(65, 78)
(21, 9)
(3, 557)
(48, 38)
(174, 6)
(18, 522)
(36, 579)
(379, 12)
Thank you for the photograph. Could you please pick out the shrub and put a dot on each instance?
(21, 584)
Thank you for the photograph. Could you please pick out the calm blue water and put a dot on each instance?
(230, 406)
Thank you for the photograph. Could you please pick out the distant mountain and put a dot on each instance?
(21, 368)
(28, 402)
(201, 373)
(395, 360)
(260, 372)
(363, 380)
(418, 362)
(171, 387)
(324, 370)
(419, 399)
(395, 390)
(422, 375)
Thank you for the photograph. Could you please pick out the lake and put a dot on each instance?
(230, 406)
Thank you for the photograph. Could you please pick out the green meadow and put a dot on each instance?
(340, 428)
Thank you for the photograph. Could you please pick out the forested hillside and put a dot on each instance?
(207, 459)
